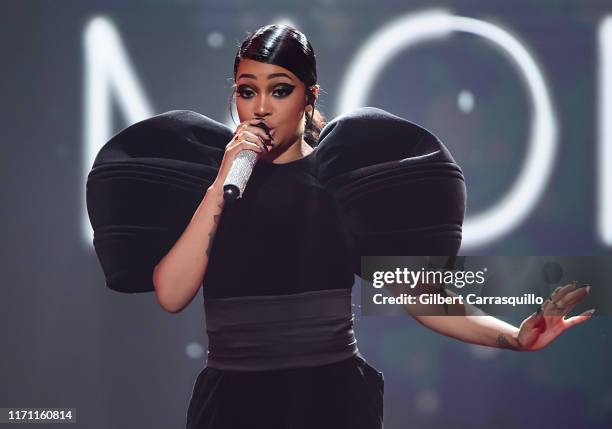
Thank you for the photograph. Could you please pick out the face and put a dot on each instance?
(275, 94)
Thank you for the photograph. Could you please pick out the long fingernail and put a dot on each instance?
(588, 288)
(591, 311)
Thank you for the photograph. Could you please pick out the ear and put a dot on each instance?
(315, 90)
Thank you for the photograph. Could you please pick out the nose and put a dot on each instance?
(262, 109)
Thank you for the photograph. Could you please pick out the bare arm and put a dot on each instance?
(464, 322)
(468, 323)
(476, 329)
(178, 276)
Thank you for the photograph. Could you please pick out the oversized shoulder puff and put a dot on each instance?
(399, 190)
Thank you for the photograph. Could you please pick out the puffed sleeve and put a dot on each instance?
(145, 185)
(399, 189)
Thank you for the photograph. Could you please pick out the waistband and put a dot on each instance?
(256, 333)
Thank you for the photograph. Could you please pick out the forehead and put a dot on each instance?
(261, 70)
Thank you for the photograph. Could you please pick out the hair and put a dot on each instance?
(287, 47)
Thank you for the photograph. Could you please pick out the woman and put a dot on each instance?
(277, 276)
(277, 264)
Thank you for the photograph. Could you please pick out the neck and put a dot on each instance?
(299, 149)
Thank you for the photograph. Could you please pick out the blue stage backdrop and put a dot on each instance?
(520, 92)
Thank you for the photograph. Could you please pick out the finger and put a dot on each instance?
(244, 144)
(569, 301)
(252, 136)
(549, 309)
(251, 122)
(579, 319)
(533, 321)
(240, 127)
(553, 295)
(259, 131)
(553, 306)
(255, 133)
(244, 124)
(562, 291)
(257, 147)
(577, 295)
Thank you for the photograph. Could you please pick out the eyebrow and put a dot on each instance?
(270, 76)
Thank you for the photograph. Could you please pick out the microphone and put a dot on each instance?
(241, 170)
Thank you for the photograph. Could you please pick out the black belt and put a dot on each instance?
(256, 333)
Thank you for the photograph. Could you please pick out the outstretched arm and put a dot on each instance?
(472, 325)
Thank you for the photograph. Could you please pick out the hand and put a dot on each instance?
(246, 136)
(546, 324)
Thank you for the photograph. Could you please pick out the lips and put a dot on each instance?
(270, 132)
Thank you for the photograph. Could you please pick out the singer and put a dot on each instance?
(278, 278)
(276, 265)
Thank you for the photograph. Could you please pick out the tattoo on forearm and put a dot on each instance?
(502, 342)
(213, 231)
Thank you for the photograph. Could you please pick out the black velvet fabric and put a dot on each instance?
(284, 236)
(399, 190)
(376, 184)
(143, 189)
(342, 395)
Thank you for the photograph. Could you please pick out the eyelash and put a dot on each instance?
(287, 89)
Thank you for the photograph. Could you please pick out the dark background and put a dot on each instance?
(68, 341)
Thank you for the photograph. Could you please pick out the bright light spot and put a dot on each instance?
(108, 71)
(427, 402)
(194, 350)
(465, 101)
(286, 21)
(604, 158)
(215, 39)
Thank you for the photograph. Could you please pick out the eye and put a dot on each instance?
(244, 92)
(283, 91)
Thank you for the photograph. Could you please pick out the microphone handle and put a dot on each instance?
(239, 174)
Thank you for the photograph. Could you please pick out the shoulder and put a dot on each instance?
(371, 136)
(182, 122)
(366, 121)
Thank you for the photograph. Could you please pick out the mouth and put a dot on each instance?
(263, 122)
(270, 129)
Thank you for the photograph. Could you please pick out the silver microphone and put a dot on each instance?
(241, 170)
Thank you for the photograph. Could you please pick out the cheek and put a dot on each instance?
(290, 121)
(294, 110)
(242, 111)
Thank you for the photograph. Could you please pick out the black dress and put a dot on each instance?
(284, 236)
(299, 229)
